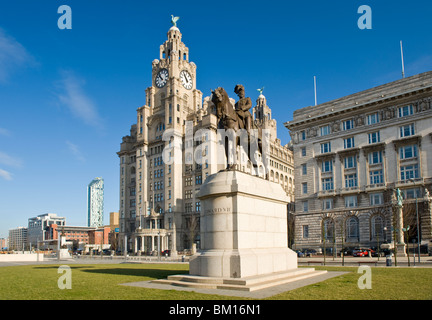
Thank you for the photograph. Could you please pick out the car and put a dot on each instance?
(309, 252)
(300, 254)
(362, 252)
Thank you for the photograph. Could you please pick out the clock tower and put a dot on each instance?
(170, 100)
(173, 94)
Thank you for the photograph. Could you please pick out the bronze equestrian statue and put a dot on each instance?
(237, 118)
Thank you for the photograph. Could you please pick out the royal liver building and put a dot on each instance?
(170, 152)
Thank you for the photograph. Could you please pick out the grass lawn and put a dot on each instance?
(101, 282)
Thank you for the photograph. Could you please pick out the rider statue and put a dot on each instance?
(242, 108)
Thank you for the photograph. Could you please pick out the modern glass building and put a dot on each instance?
(95, 202)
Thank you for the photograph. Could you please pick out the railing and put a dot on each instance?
(375, 186)
(410, 182)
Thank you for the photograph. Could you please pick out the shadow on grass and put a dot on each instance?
(57, 266)
(149, 273)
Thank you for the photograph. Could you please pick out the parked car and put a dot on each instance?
(300, 254)
(362, 252)
(309, 252)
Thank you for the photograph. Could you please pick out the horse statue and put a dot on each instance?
(228, 118)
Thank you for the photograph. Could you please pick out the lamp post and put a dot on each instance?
(418, 225)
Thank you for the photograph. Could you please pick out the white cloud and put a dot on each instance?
(12, 56)
(75, 151)
(76, 100)
(10, 161)
(5, 175)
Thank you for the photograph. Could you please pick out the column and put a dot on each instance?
(135, 246)
(399, 241)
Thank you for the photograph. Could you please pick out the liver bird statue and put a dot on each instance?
(260, 90)
(174, 20)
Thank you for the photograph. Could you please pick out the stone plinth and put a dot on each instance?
(243, 228)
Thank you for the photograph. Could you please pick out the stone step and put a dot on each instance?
(245, 284)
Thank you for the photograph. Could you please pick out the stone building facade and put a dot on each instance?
(171, 150)
(350, 156)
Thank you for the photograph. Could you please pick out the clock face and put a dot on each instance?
(186, 79)
(161, 78)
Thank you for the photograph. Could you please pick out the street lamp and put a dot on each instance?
(418, 225)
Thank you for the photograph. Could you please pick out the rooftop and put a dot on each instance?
(354, 101)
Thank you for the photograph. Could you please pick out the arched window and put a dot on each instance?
(352, 229)
(377, 227)
(328, 229)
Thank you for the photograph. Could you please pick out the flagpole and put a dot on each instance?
(315, 90)
(403, 67)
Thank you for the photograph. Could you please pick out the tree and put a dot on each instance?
(192, 223)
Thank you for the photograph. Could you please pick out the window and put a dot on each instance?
(188, 207)
(327, 184)
(377, 224)
(303, 152)
(376, 176)
(376, 199)
(405, 111)
(409, 172)
(325, 130)
(348, 124)
(372, 118)
(407, 130)
(305, 206)
(304, 169)
(325, 147)
(350, 201)
(303, 135)
(327, 204)
(412, 193)
(351, 180)
(352, 228)
(198, 206)
(188, 194)
(350, 162)
(328, 229)
(306, 231)
(349, 143)
(374, 137)
(198, 179)
(327, 166)
(304, 188)
(375, 157)
(408, 152)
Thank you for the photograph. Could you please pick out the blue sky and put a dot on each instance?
(68, 96)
